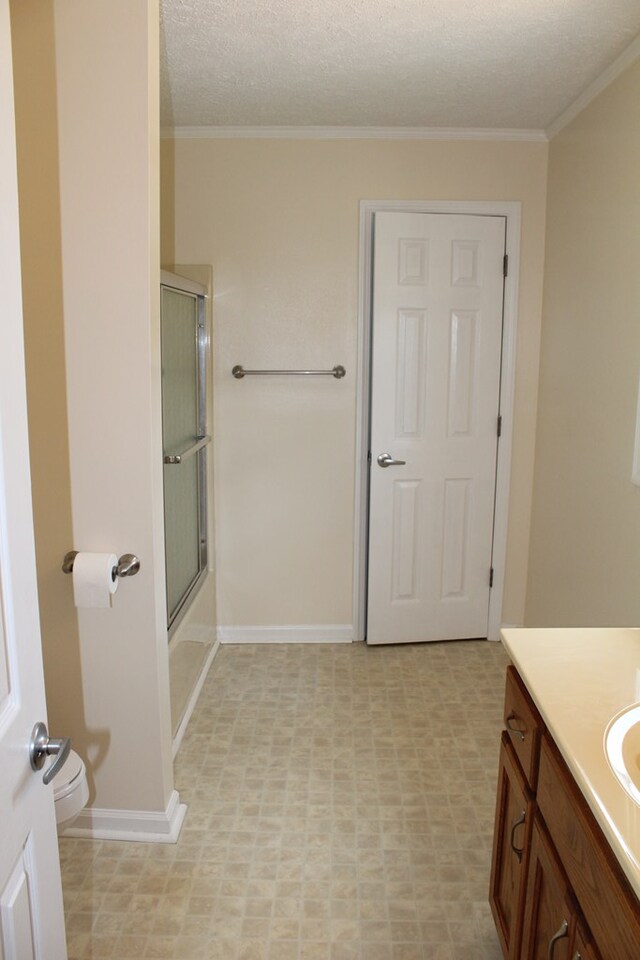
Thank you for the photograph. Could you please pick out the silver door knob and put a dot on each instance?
(386, 460)
(43, 746)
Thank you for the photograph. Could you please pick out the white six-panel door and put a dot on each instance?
(436, 352)
(31, 914)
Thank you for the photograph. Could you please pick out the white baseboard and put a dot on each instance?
(193, 699)
(139, 825)
(323, 633)
(507, 626)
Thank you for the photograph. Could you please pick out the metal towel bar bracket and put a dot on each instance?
(127, 566)
(189, 452)
(239, 372)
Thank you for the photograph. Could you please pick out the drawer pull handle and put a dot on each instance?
(516, 823)
(510, 721)
(560, 935)
(577, 955)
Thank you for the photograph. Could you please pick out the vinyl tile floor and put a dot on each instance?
(340, 807)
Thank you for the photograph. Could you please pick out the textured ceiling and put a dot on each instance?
(389, 63)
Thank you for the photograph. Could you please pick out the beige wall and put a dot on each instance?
(585, 544)
(279, 222)
(87, 92)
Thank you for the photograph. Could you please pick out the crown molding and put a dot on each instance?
(350, 133)
(613, 71)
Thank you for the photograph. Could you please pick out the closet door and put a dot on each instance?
(438, 287)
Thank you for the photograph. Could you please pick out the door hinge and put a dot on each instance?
(505, 265)
(369, 456)
(499, 425)
(491, 577)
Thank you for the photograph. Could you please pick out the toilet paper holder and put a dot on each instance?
(127, 566)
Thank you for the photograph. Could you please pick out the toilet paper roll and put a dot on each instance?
(93, 581)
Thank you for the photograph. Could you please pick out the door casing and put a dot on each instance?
(511, 210)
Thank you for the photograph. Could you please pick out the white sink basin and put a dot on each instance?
(622, 747)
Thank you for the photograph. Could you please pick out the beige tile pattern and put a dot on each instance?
(341, 803)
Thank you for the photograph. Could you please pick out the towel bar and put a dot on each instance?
(239, 372)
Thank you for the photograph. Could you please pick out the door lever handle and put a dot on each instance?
(386, 460)
(43, 746)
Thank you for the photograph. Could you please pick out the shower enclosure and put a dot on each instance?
(185, 441)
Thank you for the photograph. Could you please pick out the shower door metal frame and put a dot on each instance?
(192, 289)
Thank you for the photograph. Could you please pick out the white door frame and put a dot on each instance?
(512, 212)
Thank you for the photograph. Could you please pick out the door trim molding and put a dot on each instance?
(511, 210)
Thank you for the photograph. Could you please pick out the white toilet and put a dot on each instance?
(70, 791)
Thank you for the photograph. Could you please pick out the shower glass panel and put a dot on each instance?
(185, 450)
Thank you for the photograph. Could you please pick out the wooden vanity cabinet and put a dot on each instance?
(511, 843)
(517, 777)
(606, 899)
(557, 891)
(582, 947)
(523, 726)
(549, 917)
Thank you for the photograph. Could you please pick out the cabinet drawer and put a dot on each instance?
(606, 899)
(523, 725)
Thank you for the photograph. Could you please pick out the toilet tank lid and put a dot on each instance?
(66, 778)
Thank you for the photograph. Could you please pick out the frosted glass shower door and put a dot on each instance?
(184, 442)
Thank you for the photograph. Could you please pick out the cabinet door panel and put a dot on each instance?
(548, 917)
(511, 842)
(583, 947)
(596, 878)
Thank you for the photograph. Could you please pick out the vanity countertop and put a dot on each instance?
(579, 679)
